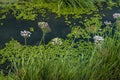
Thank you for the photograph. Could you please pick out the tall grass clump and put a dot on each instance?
(63, 62)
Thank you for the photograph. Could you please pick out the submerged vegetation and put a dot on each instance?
(89, 51)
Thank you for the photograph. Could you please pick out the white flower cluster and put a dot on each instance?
(56, 41)
(25, 33)
(44, 26)
(116, 15)
(98, 39)
(107, 23)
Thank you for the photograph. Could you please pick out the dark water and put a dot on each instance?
(11, 27)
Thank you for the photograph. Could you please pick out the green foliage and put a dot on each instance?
(29, 9)
(70, 60)
(31, 29)
(93, 24)
(63, 62)
(78, 32)
(90, 26)
(24, 11)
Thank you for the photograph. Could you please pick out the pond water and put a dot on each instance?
(11, 28)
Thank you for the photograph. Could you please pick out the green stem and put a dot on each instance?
(25, 41)
(43, 38)
(73, 41)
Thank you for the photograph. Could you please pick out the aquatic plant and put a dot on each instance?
(107, 23)
(45, 29)
(68, 59)
(56, 41)
(25, 34)
(116, 15)
(44, 26)
(117, 23)
(98, 39)
(29, 10)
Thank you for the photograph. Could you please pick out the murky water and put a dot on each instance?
(11, 27)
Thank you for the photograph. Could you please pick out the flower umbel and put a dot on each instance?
(25, 33)
(56, 41)
(116, 15)
(45, 29)
(107, 23)
(44, 26)
(98, 39)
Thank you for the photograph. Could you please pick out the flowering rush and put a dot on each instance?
(107, 23)
(25, 33)
(44, 26)
(116, 15)
(57, 41)
(98, 39)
